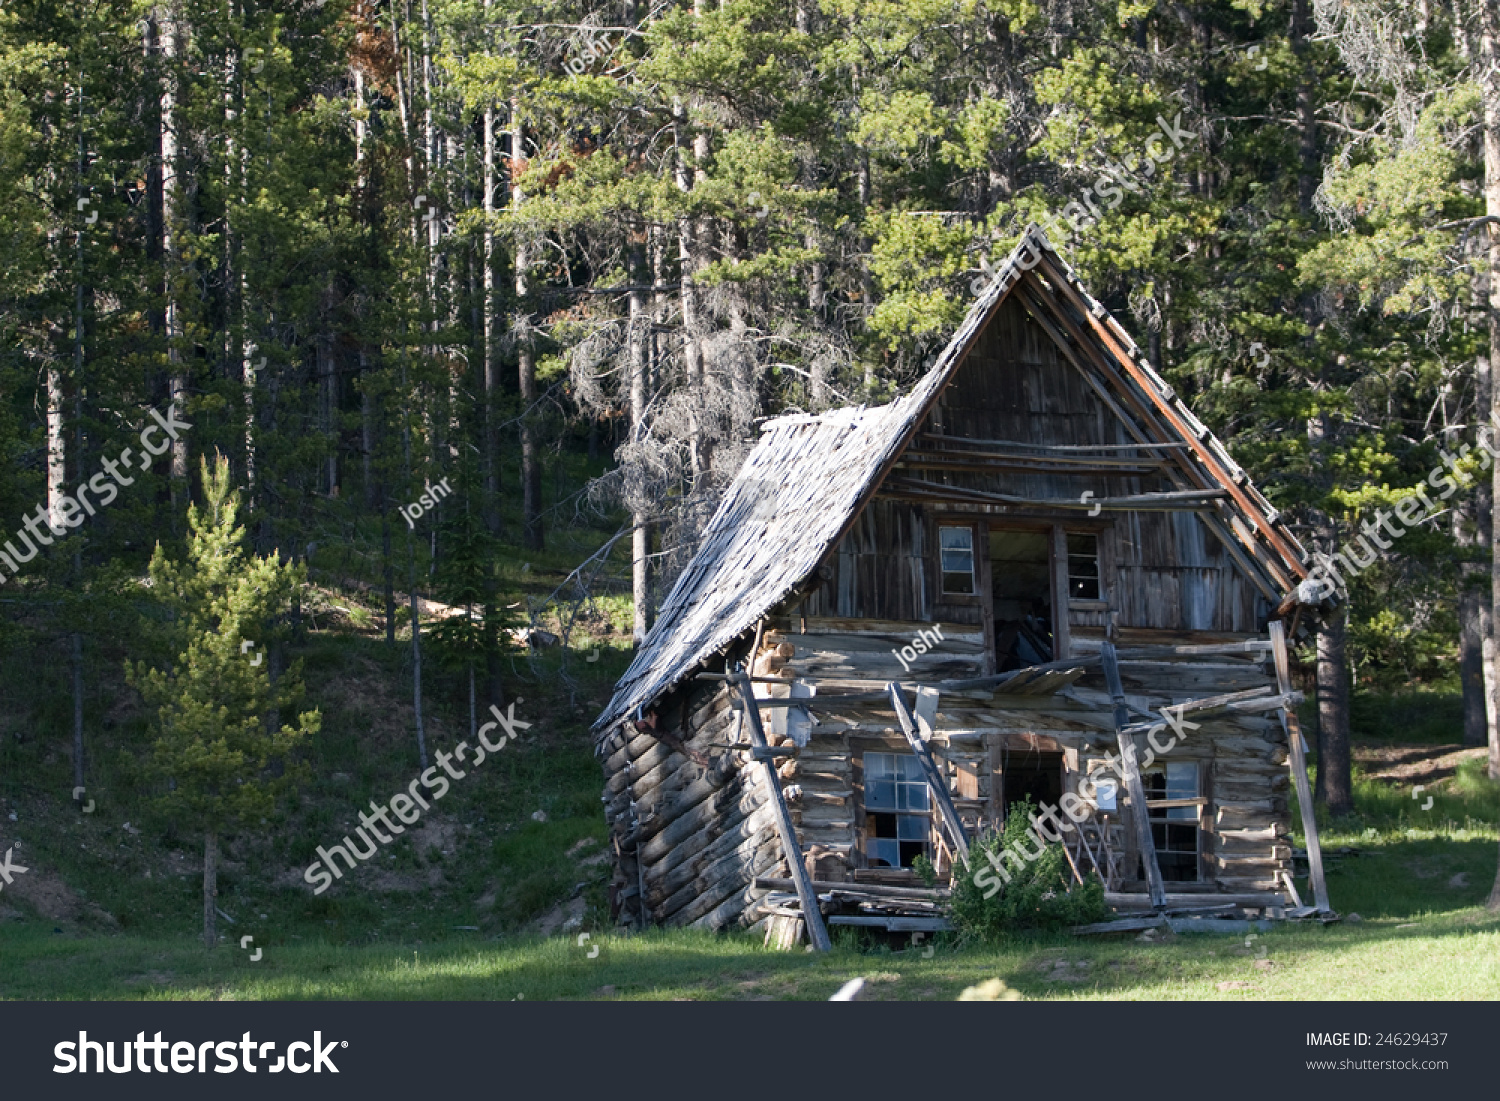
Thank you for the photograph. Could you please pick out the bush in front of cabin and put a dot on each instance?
(1041, 893)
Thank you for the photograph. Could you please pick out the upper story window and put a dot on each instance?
(956, 546)
(1083, 567)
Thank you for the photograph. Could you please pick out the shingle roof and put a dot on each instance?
(803, 484)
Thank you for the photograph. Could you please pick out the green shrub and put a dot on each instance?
(1040, 895)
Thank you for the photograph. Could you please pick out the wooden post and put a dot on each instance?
(816, 931)
(1062, 644)
(935, 781)
(1297, 759)
(1132, 775)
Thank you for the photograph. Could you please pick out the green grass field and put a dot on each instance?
(1449, 955)
(1416, 879)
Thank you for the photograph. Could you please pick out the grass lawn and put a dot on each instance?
(1423, 934)
(1455, 955)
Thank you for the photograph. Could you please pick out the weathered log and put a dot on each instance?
(747, 797)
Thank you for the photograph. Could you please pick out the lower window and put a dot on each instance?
(1174, 830)
(898, 810)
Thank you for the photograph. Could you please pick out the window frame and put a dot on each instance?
(864, 816)
(1188, 811)
(1097, 577)
(942, 571)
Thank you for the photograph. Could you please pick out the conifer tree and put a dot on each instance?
(218, 761)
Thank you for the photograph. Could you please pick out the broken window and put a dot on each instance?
(1174, 829)
(1083, 567)
(898, 810)
(956, 546)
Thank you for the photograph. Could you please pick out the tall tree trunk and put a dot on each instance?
(489, 446)
(1333, 714)
(57, 447)
(388, 572)
(1489, 65)
(1335, 786)
(699, 446)
(169, 31)
(640, 539)
(416, 648)
(329, 401)
(210, 889)
(531, 469)
(76, 663)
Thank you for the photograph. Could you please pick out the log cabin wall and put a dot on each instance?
(690, 840)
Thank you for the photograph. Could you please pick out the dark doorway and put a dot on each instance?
(1028, 774)
(1021, 590)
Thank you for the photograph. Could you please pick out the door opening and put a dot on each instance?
(1021, 591)
(1029, 774)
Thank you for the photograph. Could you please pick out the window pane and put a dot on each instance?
(911, 827)
(959, 583)
(1182, 838)
(1182, 780)
(1083, 567)
(957, 561)
(1084, 588)
(880, 795)
(918, 797)
(883, 854)
(956, 539)
(880, 764)
(911, 768)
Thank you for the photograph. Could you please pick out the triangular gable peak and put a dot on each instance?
(810, 478)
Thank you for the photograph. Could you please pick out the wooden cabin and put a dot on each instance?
(973, 541)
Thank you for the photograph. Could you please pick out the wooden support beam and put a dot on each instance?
(1062, 633)
(1050, 449)
(1027, 464)
(1189, 500)
(946, 810)
(1297, 760)
(916, 894)
(816, 932)
(896, 923)
(1132, 776)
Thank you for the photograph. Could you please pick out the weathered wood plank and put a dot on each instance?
(1299, 769)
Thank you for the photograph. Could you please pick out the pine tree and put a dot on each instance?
(216, 757)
